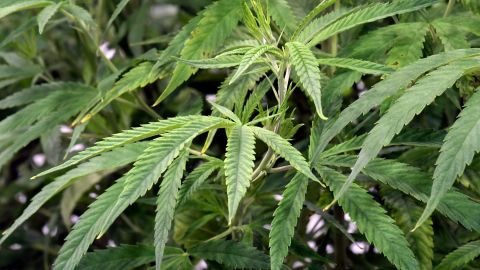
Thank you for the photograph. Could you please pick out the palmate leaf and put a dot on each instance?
(231, 253)
(250, 57)
(126, 137)
(239, 163)
(460, 257)
(384, 89)
(146, 171)
(365, 14)
(218, 21)
(196, 178)
(366, 67)
(123, 257)
(284, 149)
(405, 108)
(166, 202)
(372, 221)
(416, 183)
(155, 160)
(110, 160)
(285, 219)
(307, 70)
(461, 144)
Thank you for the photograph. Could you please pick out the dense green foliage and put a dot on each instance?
(240, 134)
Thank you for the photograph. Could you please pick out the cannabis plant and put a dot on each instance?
(249, 138)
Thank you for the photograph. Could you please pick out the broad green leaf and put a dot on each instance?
(46, 14)
(366, 67)
(123, 257)
(405, 108)
(196, 178)
(155, 160)
(126, 137)
(460, 257)
(232, 254)
(461, 144)
(285, 219)
(146, 171)
(284, 149)
(306, 68)
(239, 163)
(372, 221)
(216, 24)
(110, 160)
(166, 203)
(416, 183)
(384, 89)
(364, 14)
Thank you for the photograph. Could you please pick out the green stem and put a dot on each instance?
(449, 8)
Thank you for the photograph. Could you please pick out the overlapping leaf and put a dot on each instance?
(285, 219)
(239, 163)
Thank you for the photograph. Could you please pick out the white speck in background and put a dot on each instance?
(15, 246)
(77, 147)
(329, 249)
(108, 52)
(278, 197)
(65, 129)
(21, 197)
(312, 245)
(359, 247)
(201, 265)
(39, 159)
(111, 243)
(211, 97)
(74, 219)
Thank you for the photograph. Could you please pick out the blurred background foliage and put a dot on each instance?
(81, 48)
